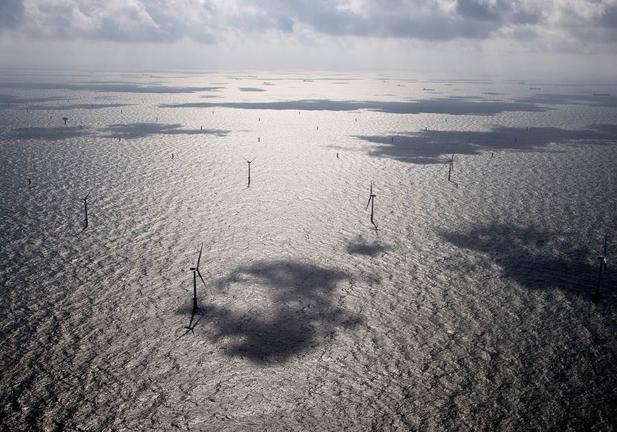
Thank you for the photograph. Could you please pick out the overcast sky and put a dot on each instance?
(510, 38)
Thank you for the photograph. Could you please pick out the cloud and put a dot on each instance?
(11, 13)
(118, 21)
(558, 23)
(479, 10)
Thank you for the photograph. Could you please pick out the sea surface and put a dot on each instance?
(467, 306)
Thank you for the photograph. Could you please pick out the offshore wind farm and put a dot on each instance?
(466, 297)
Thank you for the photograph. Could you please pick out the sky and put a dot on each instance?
(518, 39)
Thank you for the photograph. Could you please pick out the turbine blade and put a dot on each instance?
(370, 195)
(202, 279)
(199, 259)
(605, 245)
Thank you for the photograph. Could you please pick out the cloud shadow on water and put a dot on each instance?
(449, 105)
(91, 106)
(291, 309)
(604, 100)
(359, 246)
(429, 147)
(534, 258)
(142, 130)
(14, 100)
(126, 131)
(49, 133)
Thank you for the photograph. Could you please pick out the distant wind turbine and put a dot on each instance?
(249, 164)
(85, 199)
(602, 260)
(371, 202)
(450, 167)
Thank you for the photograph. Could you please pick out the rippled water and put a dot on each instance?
(470, 308)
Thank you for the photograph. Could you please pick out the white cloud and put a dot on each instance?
(298, 30)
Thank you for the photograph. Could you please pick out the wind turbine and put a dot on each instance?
(605, 257)
(86, 209)
(371, 202)
(603, 260)
(196, 273)
(249, 164)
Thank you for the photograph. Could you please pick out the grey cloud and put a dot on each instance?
(166, 28)
(504, 11)
(397, 19)
(264, 19)
(285, 24)
(609, 17)
(403, 19)
(211, 21)
(478, 9)
(11, 13)
(527, 17)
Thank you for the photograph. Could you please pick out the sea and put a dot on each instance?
(402, 253)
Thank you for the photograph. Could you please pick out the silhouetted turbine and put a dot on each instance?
(450, 167)
(196, 273)
(249, 164)
(602, 260)
(86, 210)
(371, 202)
